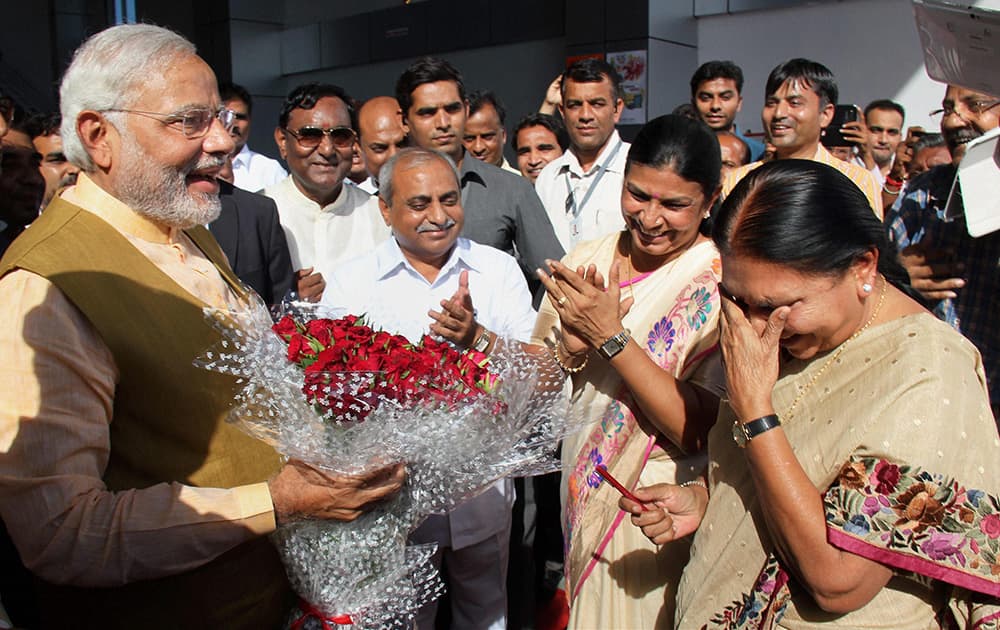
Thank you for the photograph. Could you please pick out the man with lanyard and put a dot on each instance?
(581, 190)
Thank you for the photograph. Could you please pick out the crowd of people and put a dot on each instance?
(776, 343)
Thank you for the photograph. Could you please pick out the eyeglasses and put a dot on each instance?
(312, 137)
(193, 123)
(977, 106)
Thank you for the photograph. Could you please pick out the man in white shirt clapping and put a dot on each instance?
(425, 279)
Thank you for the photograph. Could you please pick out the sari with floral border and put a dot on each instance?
(617, 578)
(899, 435)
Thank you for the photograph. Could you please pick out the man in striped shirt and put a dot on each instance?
(799, 101)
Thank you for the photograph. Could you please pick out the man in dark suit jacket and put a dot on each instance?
(251, 236)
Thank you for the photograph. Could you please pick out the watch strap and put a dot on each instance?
(752, 429)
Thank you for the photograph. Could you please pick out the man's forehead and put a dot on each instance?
(186, 82)
(539, 133)
(482, 126)
(435, 94)
(794, 87)
(888, 117)
(590, 89)
(327, 109)
(379, 118)
(486, 114)
(957, 92)
(47, 143)
(716, 85)
(415, 166)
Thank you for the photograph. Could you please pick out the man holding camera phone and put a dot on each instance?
(799, 102)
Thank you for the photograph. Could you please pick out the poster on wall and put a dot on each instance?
(631, 67)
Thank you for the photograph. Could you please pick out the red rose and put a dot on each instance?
(364, 364)
(296, 344)
(329, 360)
(358, 334)
(319, 329)
(381, 339)
(285, 327)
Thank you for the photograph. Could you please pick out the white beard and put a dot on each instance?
(160, 193)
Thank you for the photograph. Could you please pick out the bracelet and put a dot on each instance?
(563, 366)
(695, 482)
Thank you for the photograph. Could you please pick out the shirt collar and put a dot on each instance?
(389, 258)
(573, 163)
(91, 197)
(243, 157)
(333, 206)
(823, 155)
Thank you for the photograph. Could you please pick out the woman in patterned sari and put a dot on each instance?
(650, 404)
(854, 470)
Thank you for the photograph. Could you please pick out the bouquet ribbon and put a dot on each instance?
(311, 612)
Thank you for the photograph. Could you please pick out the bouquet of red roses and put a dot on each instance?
(350, 368)
(342, 396)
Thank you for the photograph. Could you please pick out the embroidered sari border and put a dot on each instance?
(907, 562)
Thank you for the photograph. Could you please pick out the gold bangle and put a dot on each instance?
(563, 366)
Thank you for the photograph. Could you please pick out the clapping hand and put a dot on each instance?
(309, 284)
(588, 310)
(456, 321)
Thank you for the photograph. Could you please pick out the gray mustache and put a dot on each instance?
(434, 227)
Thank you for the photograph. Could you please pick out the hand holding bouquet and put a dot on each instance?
(348, 399)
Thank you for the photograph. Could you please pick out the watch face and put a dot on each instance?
(739, 434)
(613, 346)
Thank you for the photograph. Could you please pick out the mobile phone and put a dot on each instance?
(842, 114)
(603, 472)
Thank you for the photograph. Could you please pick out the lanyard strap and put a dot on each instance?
(571, 205)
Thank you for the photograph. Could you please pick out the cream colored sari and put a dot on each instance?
(898, 433)
(617, 578)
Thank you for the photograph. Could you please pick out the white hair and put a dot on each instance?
(106, 73)
(413, 156)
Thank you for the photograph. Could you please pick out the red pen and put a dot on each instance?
(603, 472)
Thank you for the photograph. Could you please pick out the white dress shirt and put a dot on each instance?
(254, 171)
(600, 210)
(320, 237)
(383, 284)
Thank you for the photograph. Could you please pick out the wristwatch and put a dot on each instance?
(743, 433)
(483, 342)
(614, 345)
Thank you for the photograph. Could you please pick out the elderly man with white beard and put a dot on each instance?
(127, 495)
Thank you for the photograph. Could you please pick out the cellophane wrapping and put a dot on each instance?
(452, 452)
